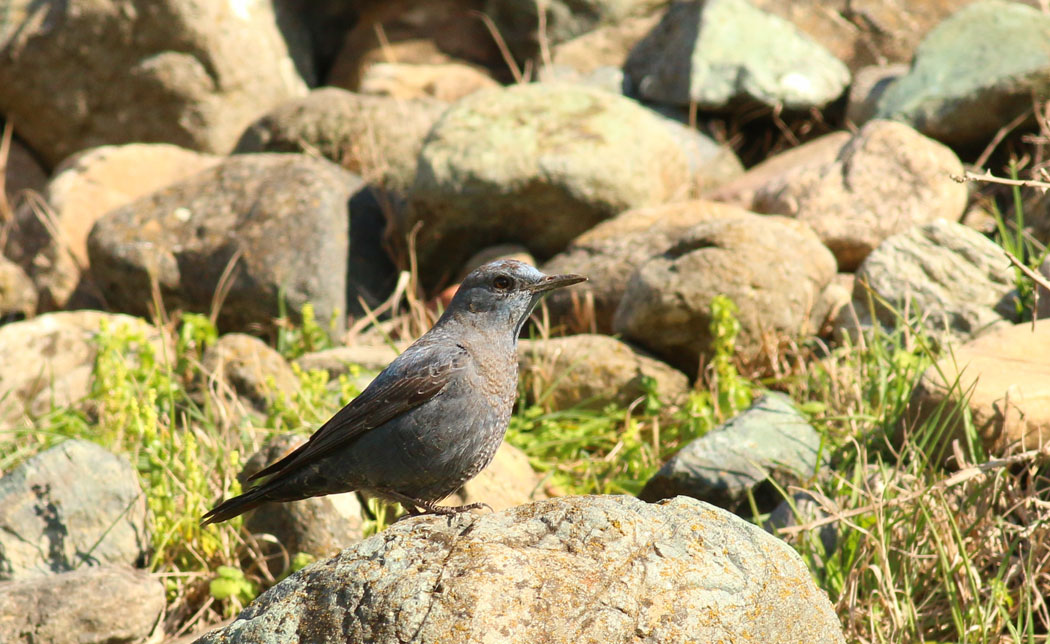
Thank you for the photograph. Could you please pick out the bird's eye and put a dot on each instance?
(502, 283)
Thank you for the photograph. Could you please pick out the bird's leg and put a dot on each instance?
(413, 506)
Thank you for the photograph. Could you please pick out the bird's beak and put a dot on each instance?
(552, 282)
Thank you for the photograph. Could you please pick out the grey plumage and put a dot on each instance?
(433, 418)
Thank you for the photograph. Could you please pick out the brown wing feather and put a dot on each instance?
(391, 394)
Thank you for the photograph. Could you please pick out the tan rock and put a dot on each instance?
(250, 368)
(508, 481)
(605, 46)
(1004, 379)
(85, 187)
(445, 82)
(885, 180)
(594, 370)
(608, 253)
(49, 359)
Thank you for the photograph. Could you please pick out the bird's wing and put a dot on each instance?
(419, 374)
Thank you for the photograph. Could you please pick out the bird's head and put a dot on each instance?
(504, 293)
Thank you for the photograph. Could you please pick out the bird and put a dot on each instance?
(430, 421)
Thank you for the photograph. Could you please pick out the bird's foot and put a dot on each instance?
(417, 507)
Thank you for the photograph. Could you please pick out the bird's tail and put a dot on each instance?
(236, 506)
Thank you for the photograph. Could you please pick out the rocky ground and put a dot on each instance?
(804, 397)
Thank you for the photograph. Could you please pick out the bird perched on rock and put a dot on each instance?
(433, 418)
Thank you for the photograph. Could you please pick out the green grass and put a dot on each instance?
(925, 554)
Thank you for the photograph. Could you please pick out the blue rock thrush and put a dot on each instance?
(433, 418)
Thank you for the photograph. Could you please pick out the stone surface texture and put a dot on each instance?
(192, 74)
(577, 569)
(72, 506)
(718, 53)
(281, 220)
(536, 164)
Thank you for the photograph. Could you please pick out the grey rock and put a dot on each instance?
(18, 298)
(803, 509)
(609, 253)
(718, 53)
(49, 359)
(869, 84)
(377, 137)
(609, 79)
(594, 370)
(883, 181)
(576, 569)
(956, 279)
(282, 216)
(250, 368)
(518, 22)
(320, 526)
(84, 187)
(769, 441)
(974, 73)
(71, 506)
(195, 74)
(103, 605)
(535, 164)
(666, 307)
(603, 48)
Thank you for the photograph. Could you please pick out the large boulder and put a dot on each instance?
(577, 569)
(974, 73)
(666, 307)
(536, 164)
(883, 181)
(84, 73)
(279, 220)
(89, 605)
(719, 53)
(73, 505)
(84, 187)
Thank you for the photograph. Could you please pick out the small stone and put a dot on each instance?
(49, 360)
(769, 441)
(593, 370)
(90, 605)
(609, 253)
(958, 281)
(718, 53)
(338, 360)
(250, 368)
(666, 307)
(869, 84)
(74, 505)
